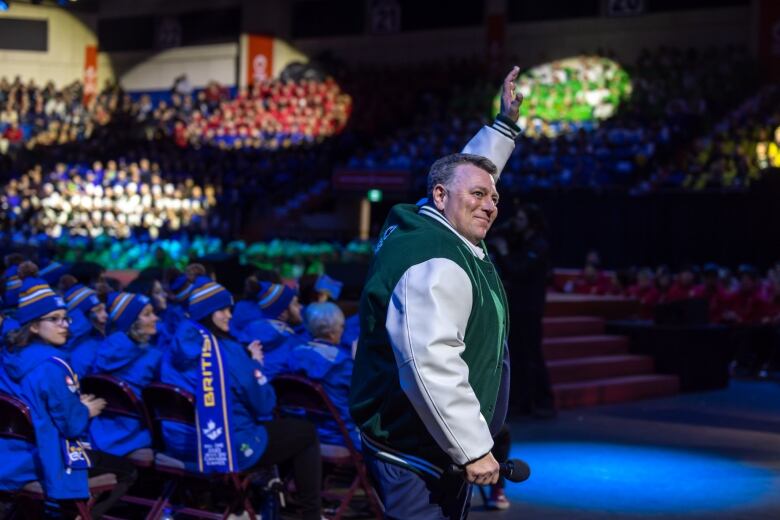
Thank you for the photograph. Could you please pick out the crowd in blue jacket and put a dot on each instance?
(107, 336)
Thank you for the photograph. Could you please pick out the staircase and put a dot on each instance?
(588, 367)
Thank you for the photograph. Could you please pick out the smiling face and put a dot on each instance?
(147, 321)
(468, 201)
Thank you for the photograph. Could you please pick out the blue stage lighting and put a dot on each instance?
(619, 479)
(3, 5)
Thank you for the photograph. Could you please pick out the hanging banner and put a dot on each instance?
(90, 73)
(260, 54)
(769, 37)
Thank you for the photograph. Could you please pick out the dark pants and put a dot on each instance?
(502, 442)
(296, 441)
(124, 470)
(408, 496)
(530, 388)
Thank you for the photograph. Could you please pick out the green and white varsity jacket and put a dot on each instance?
(433, 319)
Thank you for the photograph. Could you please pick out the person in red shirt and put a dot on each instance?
(645, 291)
(753, 314)
(684, 286)
(711, 289)
(663, 281)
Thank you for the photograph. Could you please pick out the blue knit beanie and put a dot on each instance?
(52, 272)
(36, 299)
(12, 286)
(207, 296)
(180, 288)
(124, 308)
(274, 298)
(82, 298)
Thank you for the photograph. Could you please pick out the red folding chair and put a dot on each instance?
(298, 396)
(16, 423)
(122, 401)
(169, 403)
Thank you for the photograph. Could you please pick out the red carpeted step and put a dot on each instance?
(609, 307)
(614, 390)
(557, 327)
(583, 346)
(598, 367)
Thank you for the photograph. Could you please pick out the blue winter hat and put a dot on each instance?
(328, 285)
(207, 296)
(36, 299)
(274, 298)
(52, 272)
(82, 298)
(180, 288)
(124, 308)
(13, 284)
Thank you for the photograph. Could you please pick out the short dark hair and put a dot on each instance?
(442, 170)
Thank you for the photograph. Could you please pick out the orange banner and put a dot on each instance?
(260, 55)
(90, 72)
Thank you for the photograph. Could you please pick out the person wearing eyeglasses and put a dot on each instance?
(127, 355)
(49, 386)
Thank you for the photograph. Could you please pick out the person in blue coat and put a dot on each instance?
(126, 355)
(18, 467)
(152, 288)
(88, 326)
(326, 361)
(49, 386)
(259, 442)
(269, 318)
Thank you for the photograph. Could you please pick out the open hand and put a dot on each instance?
(256, 351)
(511, 99)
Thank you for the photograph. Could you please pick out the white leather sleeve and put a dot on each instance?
(492, 144)
(426, 322)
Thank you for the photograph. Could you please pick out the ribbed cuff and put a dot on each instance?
(506, 126)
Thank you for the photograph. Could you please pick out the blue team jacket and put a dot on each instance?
(169, 322)
(331, 366)
(57, 414)
(244, 313)
(83, 344)
(278, 340)
(252, 398)
(137, 365)
(18, 457)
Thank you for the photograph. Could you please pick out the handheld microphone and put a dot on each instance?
(514, 470)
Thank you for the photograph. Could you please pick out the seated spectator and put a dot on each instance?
(645, 291)
(325, 360)
(126, 354)
(718, 299)
(749, 305)
(60, 414)
(88, 329)
(279, 312)
(663, 282)
(592, 281)
(684, 287)
(258, 442)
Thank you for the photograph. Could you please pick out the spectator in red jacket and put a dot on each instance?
(749, 305)
(684, 286)
(712, 290)
(593, 281)
(645, 291)
(663, 282)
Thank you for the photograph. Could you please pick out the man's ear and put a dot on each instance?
(439, 196)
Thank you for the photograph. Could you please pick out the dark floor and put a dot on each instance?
(713, 455)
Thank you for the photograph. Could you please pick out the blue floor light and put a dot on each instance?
(639, 480)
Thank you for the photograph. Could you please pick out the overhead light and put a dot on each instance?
(3, 5)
